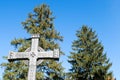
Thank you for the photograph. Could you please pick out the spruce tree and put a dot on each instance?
(40, 21)
(88, 60)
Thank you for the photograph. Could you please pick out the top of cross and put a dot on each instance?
(35, 35)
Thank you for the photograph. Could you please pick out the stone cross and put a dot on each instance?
(35, 55)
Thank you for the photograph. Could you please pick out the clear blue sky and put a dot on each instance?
(102, 15)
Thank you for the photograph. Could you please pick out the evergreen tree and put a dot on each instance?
(88, 60)
(39, 22)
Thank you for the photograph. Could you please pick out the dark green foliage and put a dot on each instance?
(88, 60)
(39, 22)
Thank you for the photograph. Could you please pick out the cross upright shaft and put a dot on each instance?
(33, 58)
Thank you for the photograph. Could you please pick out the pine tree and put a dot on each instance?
(88, 60)
(39, 22)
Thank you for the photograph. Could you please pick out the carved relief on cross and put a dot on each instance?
(35, 55)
